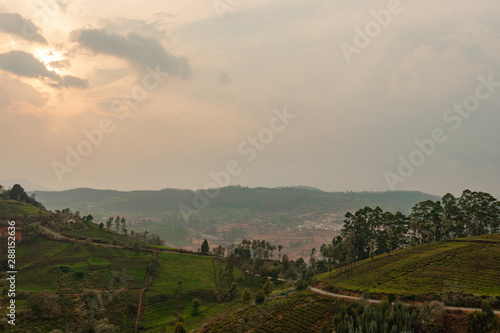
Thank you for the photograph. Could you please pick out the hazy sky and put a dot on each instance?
(326, 93)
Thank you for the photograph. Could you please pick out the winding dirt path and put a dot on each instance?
(146, 284)
(375, 301)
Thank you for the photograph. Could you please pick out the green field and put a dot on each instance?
(466, 266)
(106, 236)
(11, 208)
(71, 268)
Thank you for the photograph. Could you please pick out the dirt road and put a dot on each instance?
(375, 301)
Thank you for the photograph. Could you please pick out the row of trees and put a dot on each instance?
(369, 232)
(120, 223)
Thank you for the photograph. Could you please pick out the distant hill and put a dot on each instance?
(241, 210)
(26, 184)
(253, 201)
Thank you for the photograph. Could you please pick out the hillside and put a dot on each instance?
(72, 274)
(76, 276)
(444, 270)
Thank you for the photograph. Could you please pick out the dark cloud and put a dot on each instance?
(25, 64)
(17, 25)
(139, 50)
(70, 81)
(59, 64)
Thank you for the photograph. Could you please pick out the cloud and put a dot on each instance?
(224, 77)
(25, 64)
(12, 90)
(156, 26)
(139, 50)
(70, 81)
(59, 63)
(63, 5)
(17, 25)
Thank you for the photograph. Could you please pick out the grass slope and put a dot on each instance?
(12, 208)
(467, 266)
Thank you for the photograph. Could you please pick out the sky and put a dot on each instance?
(340, 95)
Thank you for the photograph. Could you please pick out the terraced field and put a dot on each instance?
(299, 312)
(163, 299)
(467, 266)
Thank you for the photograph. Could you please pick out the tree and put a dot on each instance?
(233, 292)
(44, 305)
(301, 284)
(484, 321)
(390, 237)
(101, 225)
(137, 248)
(260, 298)
(195, 307)
(204, 247)
(247, 296)
(280, 247)
(109, 222)
(179, 328)
(372, 248)
(268, 287)
(18, 193)
(88, 219)
(103, 326)
(123, 223)
(117, 223)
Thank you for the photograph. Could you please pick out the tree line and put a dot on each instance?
(369, 232)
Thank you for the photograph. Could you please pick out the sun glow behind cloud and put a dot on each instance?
(48, 56)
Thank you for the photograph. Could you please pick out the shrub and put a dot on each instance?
(195, 310)
(268, 287)
(179, 328)
(301, 284)
(247, 296)
(260, 298)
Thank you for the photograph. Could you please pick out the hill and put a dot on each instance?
(255, 200)
(235, 213)
(450, 271)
